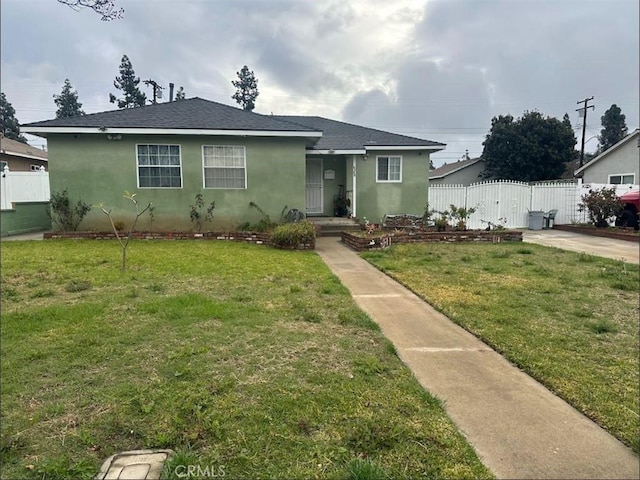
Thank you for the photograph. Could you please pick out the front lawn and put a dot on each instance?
(247, 361)
(569, 320)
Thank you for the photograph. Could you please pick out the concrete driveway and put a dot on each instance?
(600, 246)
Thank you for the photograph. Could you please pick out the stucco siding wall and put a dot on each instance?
(624, 160)
(100, 171)
(24, 218)
(375, 199)
(466, 176)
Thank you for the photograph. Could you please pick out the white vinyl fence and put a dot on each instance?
(16, 187)
(508, 203)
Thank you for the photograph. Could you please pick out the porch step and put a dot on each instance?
(334, 226)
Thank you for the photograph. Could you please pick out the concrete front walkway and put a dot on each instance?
(603, 247)
(518, 427)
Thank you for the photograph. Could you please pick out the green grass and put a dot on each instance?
(250, 361)
(570, 320)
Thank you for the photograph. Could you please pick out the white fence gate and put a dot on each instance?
(508, 203)
(16, 187)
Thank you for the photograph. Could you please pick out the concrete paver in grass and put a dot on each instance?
(134, 465)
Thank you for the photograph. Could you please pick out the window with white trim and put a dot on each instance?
(623, 179)
(35, 168)
(389, 169)
(3, 164)
(159, 166)
(225, 166)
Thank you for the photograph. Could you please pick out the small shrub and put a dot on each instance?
(80, 286)
(460, 215)
(370, 437)
(602, 326)
(360, 469)
(197, 216)
(290, 235)
(124, 243)
(602, 206)
(63, 214)
(441, 223)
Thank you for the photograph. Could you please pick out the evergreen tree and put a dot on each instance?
(528, 149)
(614, 128)
(67, 102)
(8, 121)
(180, 95)
(247, 89)
(128, 83)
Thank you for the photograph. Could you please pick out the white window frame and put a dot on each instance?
(205, 167)
(138, 166)
(388, 157)
(3, 164)
(622, 175)
(34, 167)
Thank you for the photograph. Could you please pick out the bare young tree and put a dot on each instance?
(106, 8)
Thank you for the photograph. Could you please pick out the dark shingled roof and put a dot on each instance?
(194, 113)
(345, 136)
(199, 114)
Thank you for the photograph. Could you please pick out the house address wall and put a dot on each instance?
(99, 170)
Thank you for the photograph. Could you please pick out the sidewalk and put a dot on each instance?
(518, 427)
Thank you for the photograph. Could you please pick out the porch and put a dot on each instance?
(334, 226)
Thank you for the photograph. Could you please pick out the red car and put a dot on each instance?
(629, 215)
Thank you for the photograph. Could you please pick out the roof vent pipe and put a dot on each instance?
(171, 92)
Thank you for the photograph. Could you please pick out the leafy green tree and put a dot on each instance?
(9, 122)
(128, 83)
(614, 128)
(67, 102)
(105, 8)
(180, 95)
(247, 89)
(528, 149)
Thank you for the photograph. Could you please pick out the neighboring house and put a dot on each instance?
(463, 172)
(21, 157)
(167, 153)
(620, 164)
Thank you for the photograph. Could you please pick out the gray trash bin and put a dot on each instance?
(536, 219)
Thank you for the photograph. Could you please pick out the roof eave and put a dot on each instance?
(170, 131)
(405, 147)
(23, 155)
(626, 139)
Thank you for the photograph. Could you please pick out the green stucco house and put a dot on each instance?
(167, 153)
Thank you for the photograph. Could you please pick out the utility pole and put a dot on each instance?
(157, 89)
(584, 123)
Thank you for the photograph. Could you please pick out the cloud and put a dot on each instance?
(433, 69)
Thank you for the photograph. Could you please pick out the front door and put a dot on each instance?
(314, 186)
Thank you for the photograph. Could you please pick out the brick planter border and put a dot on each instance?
(257, 238)
(361, 244)
(630, 236)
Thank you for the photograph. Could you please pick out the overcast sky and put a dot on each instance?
(437, 69)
